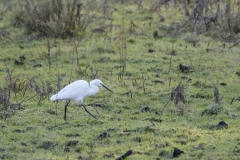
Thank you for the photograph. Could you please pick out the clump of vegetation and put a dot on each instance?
(213, 18)
(55, 18)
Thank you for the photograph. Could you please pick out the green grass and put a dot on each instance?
(137, 118)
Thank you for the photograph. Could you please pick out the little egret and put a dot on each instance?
(78, 90)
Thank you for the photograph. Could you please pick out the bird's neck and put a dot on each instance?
(92, 91)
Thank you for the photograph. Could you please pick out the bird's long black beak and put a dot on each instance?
(106, 87)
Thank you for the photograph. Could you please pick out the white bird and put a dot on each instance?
(78, 90)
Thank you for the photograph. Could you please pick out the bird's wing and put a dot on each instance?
(76, 89)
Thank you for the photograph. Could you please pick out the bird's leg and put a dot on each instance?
(96, 109)
(56, 114)
(56, 106)
(88, 111)
(65, 113)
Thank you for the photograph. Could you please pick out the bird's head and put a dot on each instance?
(98, 82)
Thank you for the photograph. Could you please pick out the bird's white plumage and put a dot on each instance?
(75, 91)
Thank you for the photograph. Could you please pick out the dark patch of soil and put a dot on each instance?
(3, 156)
(2, 149)
(177, 152)
(184, 68)
(118, 141)
(23, 144)
(151, 50)
(72, 143)
(222, 125)
(103, 135)
(73, 135)
(238, 73)
(19, 131)
(22, 57)
(128, 153)
(145, 109)
(67, 149)
(223, 84)
(17, 62)
(48, 145)
(158, 81)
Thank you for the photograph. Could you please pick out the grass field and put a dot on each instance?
(157, 106)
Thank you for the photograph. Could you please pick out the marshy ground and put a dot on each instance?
(173, 67)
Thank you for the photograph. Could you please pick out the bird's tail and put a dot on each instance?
(54, 97)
